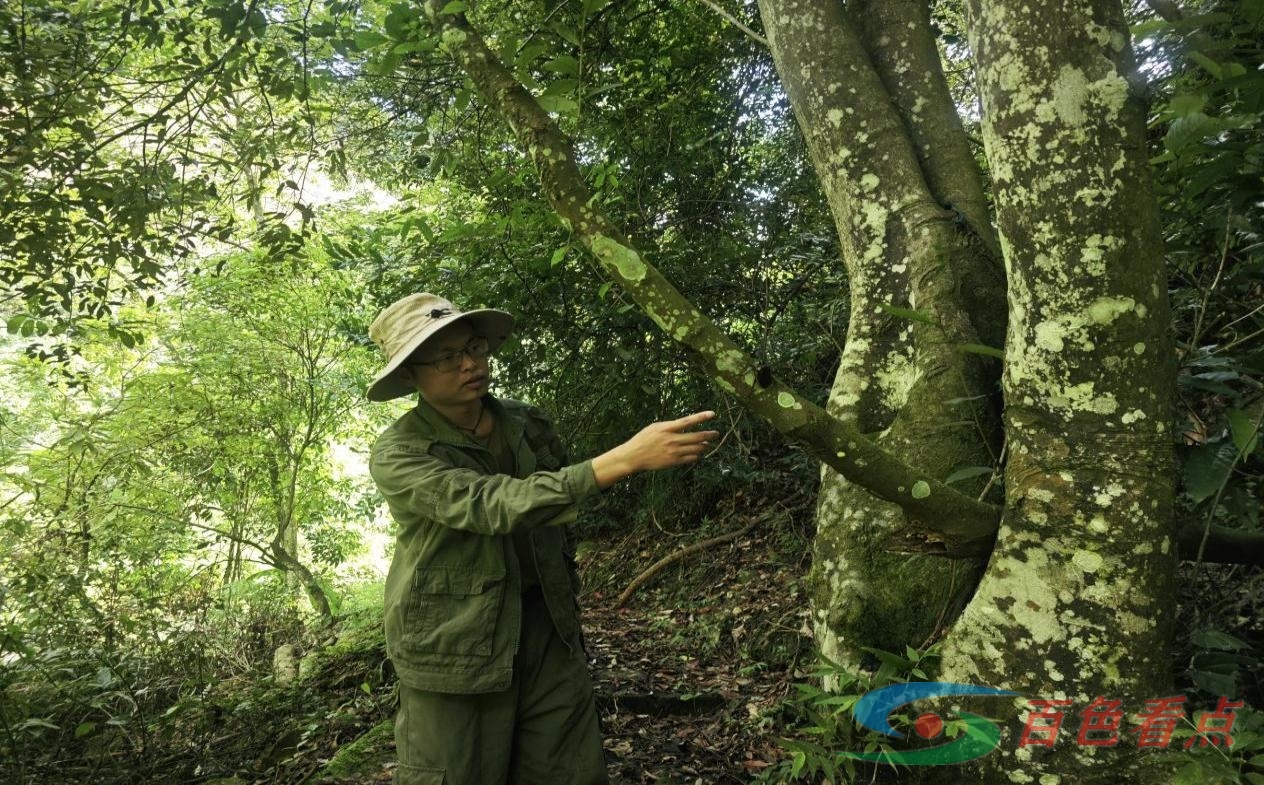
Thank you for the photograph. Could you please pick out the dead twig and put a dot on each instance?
(674, 557)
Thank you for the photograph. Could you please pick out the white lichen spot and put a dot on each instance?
(1138, 348)
(787, 401)
(1105, 310)
(1098, 524)
(1049, 335)
(869, 181)
(1087, 561)
(1133, 416)
(452, 37)
(627, 261)
(921, 489)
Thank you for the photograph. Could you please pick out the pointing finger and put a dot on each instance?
(691, 437)
(691, 420)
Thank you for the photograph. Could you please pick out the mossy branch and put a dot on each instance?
(959, 524)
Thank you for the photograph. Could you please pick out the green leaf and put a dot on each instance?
(455, 7)
(889, 658)
(529, 54)
(967, 473)
(400, 20)
(1220, 641)
(558, 256)
(1186, 104)
(1206, 467)
(408, 47)
(1209, 65)
(84, 728)
(1190, 130)
(18, 324)
(563, 64)
(365, 688)
(566, 34)
(1242, 428)
(907, 313)
(603, 289)
(1215, 683)
(229, 16)
(978, 348)
(561, 87)
(368, 39)
(558, 104)
(257, 23)
(1190, 774)
(38, 722)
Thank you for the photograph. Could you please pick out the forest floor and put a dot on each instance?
(693, 675)
(690, 693)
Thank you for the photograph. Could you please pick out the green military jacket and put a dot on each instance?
(452, 609)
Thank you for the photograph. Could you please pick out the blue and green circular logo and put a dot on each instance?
(981, 736)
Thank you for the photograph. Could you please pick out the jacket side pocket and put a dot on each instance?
(452, 611)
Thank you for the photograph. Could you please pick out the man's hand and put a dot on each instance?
(659, 445)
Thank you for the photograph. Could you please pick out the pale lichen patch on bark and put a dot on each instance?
(625, 260)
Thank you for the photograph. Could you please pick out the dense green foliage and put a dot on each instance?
(182, 493)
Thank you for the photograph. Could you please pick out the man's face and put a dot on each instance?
(462, 385)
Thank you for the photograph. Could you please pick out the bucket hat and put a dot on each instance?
(407, 323)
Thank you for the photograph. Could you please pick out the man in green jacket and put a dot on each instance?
(481, 618)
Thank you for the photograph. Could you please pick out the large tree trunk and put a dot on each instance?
(890, 154)
(953, 522)
(1077, 600)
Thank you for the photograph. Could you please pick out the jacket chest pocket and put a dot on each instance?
(453, 611)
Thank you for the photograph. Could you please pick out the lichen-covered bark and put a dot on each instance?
(898, 37)
(896, 377)
(959, 523)
(1077, 600)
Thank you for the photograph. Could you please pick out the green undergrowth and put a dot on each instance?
(209, 706)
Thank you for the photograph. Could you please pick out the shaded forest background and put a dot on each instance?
(204, 204)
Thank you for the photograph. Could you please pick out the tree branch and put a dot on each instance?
(673, 557)
(1223, 545)
(754, 36)
(961, 524)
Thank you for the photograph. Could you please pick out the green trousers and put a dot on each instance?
(541, 731)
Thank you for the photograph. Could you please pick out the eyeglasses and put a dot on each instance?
(477, 349)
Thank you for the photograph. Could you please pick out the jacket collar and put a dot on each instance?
(435, 426)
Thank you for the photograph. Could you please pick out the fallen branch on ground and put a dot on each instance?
(672, 558)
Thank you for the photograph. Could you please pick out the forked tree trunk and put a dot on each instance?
(891, 156)
(1077, 600)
